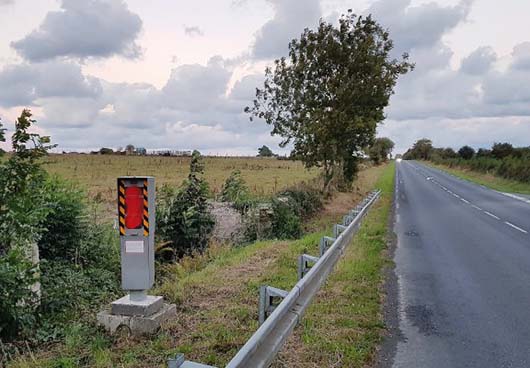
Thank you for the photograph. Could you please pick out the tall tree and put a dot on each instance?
(265, 151)
(329, 95)
(466, 152)
(421, 150)
(502, 150)
(380, 150)
(129, 149)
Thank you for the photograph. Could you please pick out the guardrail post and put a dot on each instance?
(303, 264)
(338, 229)
(267, 296)
(348, 219)
(325, 243)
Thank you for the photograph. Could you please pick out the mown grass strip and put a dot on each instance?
(343, 326)
(488, 180)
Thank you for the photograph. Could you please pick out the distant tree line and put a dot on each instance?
(502, 159)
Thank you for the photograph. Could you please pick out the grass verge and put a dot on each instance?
(217, 301)
(488, 180)
(344, 325)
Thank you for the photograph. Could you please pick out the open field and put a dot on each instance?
(216, 297)
(98, 173)
(488, 180)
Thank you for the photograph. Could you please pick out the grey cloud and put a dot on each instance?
(507, 93)
(479, 61)
(475, 90)
(6, 2)
(419, 26)
(71, 113)
(194, 110)
(193, 31)
(245, 89)
(82, 29)
(197, 87)
(291, 17)
(23, 84)
(521, 57)
(435, 90)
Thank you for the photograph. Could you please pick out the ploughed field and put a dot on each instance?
(97, 173)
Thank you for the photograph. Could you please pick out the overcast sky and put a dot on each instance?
(177, 74)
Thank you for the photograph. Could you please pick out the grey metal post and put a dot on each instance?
(325, 243)
(267, 294)
(338, 229)
(303, 264)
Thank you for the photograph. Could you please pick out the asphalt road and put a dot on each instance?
(463, 274)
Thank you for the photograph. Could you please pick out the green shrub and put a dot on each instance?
(514, 168)
(79, 266)
(21, 187)
(21, 211)
(308, 201)
(184, 221)
(286, 222)
(236, 191)
(64, 226)
(17, 305)
(67, 290)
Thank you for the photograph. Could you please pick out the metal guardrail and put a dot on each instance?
(278, 321)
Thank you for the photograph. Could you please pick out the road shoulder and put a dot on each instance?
(390, 296)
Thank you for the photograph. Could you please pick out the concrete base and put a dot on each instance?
(143, 308)
(137, 325)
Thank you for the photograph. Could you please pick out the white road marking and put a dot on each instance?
(492, 215)
(515, 197)
(516, 227)
(430, 178)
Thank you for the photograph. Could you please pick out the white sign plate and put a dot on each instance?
(134, 246)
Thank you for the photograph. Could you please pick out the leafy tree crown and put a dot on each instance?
(328, 96)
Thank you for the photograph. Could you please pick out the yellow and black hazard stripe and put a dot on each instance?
(146, 210)
(121, 206)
